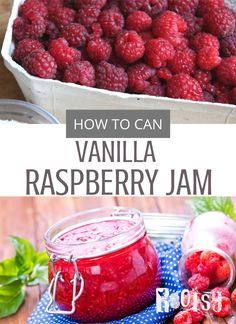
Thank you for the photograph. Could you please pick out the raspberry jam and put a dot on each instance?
(110, 250)
(209, 250)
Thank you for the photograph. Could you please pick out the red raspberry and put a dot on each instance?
(226, 71)
(208, 97)
(170, 26)
(183, 318)
(194, 24)
(75, 34)
(223, 270)
(201, 40)
(63, 54)
(96, 30)
(232, 96)
(25, 47)
(209, 258)
(110, 77)
(19, 28)
(224, 99)
(129, 6)
(52, 32)
(181, 6)
(164, 74)
(220, 22)
(155, 7)
(97, 3)
(221, 308)
(211, 89)
(35, 26)
(228, 45)
(63, 17)
(203, 78)
(53, 5)
(219, 292)
(154, 88)
(82, 73)
(208, 58)
(99, 50)
(112, 22)
(194, 306)
(199, 282)
(139, 21)
(114, 5)
(233, 296)
(139, 75)
(32, 5)
(129, 46)
(146, 36)
(158, 51)
(88, 15)
(41, 64)
(183, 62)
(183, 86)
(205, 6)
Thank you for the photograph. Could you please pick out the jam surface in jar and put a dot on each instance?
(118, 280)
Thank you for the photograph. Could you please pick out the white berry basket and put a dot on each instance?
(56, 96)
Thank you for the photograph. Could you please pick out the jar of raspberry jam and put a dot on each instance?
(102, 266)
(209, 250)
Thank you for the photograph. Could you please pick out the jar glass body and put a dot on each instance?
(118, 281)
(214, 232)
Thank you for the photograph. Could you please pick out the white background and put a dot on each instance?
(190, 147)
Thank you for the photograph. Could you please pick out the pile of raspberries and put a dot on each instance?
(207, 270)
(170, 48)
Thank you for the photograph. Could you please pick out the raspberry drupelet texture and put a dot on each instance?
(205, 6)
(183, 62)
(129, 46)
(204, 78)
(183, 86)
(63, 16)
(154, 7)
(40, 63)
(82, 3)
(139, 76)
(158, 51)
(32, 5)
(88, 15)
(63, 54)
(111, 77)
(228, 45)
(129, 6)
(222, 307)
(220, 22)
(139, 21)
(198, 282)
(194, 24)
(112, 22)
(183, 317)
(219, 292)
(25, 47)
(202, 39)
(194, 305)
(226, 71)
(208, 58)
(164, 73)
(82, 73)
(99, 50)
(181, 6)
(75, 34)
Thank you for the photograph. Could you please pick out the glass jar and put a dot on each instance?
(102, 265)
(216, 233)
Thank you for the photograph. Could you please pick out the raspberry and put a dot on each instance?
(35, 26)
(226, 71)
(228, 45)
(170, 26)
(158, 51)
(99, 50)
(211, 89)
(19, 28)
(63, 54)
(25, 47)
(205, 6)
(224, 99)
(208, 98)
(203, 78)
(110, 77)
(75, 34)
(112, 22)
(63, 17)
(183, 86)
(155, 7)
(129, 46)
(164, 74)
(201, 40)
(88, 15)
(32, 5)
(82, 73)
(194, 24)
(233, 296)
(199, 282)
(52, 32)
(96, 30)
(232, 96)
(98, 3)
(220, 22)
(210, 258)
(139, 21)
(194, 306)
(208, 58)
(181, 6)
(183, 62)
(40, 63)
(183, 318)
(221, 308)
(154, 88)
(129, 6)
(146, 36)
(223, 270)
(219, 292)
(139, 75)
(53, 5)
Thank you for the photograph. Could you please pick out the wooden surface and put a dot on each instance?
(8, 86)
